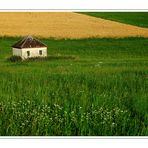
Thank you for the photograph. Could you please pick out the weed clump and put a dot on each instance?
(15, 59)
(52, 57)
(48, 58)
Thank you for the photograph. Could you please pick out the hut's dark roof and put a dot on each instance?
(28, 42)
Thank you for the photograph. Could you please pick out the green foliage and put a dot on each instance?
(48, 58)
(133, 18)
(52, 57)
(103, 92)
(15, 59)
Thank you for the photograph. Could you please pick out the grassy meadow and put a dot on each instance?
(134, 18)
(102, 91)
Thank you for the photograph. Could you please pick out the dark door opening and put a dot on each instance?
(28, 53)
(40, 52)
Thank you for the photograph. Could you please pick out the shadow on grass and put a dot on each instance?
(48, 58)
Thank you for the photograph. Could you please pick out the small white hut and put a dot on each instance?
(29, 47)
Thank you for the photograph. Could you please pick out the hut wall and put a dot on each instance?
(34, 52)
(17, 52)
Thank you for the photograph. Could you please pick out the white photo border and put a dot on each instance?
(74, 5)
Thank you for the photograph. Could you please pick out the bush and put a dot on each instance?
(15, 58)
(52, 57)
(48, 58)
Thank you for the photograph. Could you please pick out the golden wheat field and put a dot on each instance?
(64, 25)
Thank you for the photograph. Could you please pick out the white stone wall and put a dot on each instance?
(17, 52)
(34, 52)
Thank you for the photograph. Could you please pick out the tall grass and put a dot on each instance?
(94, 95)
(37, 104)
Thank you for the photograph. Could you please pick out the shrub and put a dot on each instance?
(15, 59)
(52, 57)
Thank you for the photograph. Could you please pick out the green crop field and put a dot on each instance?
(133, 18)
(102, 91)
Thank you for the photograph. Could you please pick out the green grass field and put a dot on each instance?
(133, 18)
(103, 91)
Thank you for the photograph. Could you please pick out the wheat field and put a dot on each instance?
(64, 25)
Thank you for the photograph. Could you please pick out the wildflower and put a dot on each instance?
(51, 119)
(23, 124)
(97, 65)
(72, 112)
(65, 112)
(113, 124)
(28, 101)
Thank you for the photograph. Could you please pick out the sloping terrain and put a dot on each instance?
(64, 25)
(133, 18)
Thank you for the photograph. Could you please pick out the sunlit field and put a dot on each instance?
(68, 25)
(103, 90)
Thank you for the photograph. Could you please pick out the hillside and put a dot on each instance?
(134, 18)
